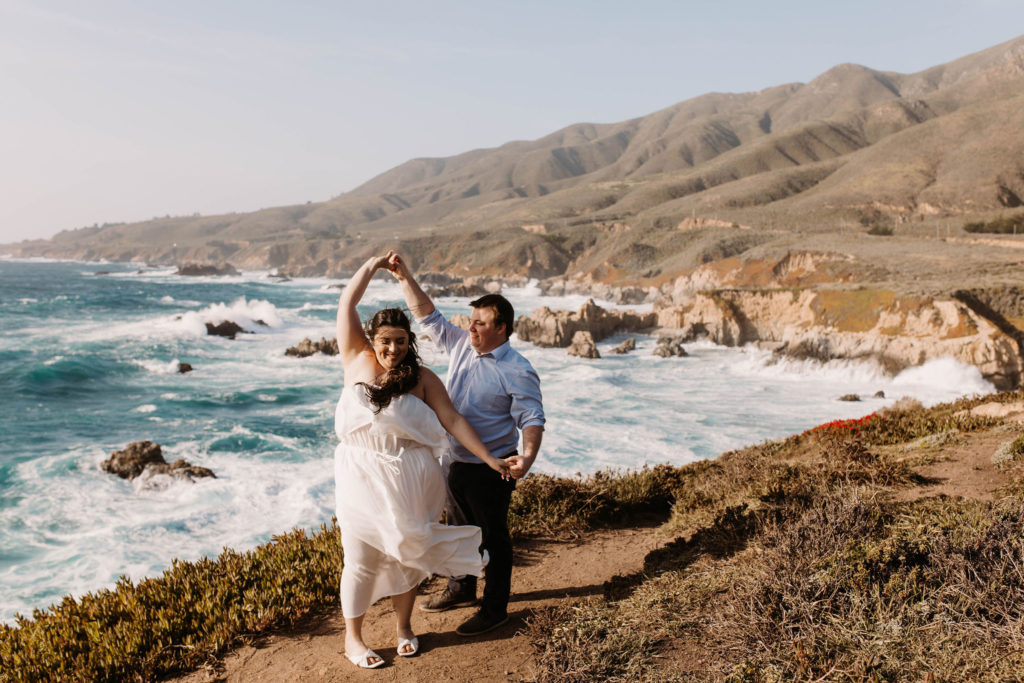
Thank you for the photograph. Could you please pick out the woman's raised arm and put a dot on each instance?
(351, 339)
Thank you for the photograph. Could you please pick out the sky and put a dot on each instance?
(119, 111)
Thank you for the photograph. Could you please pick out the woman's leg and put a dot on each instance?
(403, 604)
(354, 645)
(357, 577)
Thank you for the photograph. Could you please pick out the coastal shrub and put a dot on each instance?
(1009, 453)
(546, 505)
(881, 230)
(174, 622)
(1005, 225)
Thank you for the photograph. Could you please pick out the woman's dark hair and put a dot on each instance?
(401, 379)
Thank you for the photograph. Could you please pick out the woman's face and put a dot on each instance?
(390, 344)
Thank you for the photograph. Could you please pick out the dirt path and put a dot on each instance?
(546, 572)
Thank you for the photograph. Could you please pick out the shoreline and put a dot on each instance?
(565, 470)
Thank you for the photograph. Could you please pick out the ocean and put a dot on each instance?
(88, 364)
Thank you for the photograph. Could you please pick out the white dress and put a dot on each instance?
(390, 493)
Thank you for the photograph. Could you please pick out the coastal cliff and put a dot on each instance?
(825, 324)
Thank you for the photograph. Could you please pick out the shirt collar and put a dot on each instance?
(497, 353)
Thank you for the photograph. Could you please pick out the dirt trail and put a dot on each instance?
(546, 573)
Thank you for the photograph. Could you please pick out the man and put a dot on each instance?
(498, 392)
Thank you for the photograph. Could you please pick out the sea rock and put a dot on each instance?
(583, 345)
(670, 347)
(625, 347)
(227, 328)
(184, 367)
(548, 328)
(197, 269)
(849, 397)
(879, 394)
(308, 347)
(146, 457)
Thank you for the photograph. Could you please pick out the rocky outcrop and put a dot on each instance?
(144, 458)
(458, 289)
(670, 347)
(583, 345)
(307, 347)
(545, 327)
(825, 324)
(587, 286)
(197, 269)
(184, 367)
(227, 328)
(441, 284)
(625, 347)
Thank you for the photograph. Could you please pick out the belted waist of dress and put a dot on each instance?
(389, 460)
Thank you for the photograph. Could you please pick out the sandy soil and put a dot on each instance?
(546, 572)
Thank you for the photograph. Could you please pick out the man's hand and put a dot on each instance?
(396, 264)
(519, 465)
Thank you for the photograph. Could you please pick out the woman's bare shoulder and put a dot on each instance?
(429, 382)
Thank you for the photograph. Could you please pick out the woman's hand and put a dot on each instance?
(378, 262)
(498, 465)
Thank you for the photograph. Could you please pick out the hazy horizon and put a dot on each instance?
(119, 112)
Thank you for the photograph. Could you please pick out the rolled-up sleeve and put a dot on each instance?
(441, 331)
(527, 404)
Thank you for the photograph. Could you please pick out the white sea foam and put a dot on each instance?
(244, 313)
(145, 408)
(159, 367)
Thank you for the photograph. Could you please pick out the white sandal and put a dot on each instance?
(414, 643)
(363, 660)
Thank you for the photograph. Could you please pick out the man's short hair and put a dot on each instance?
(503, 312)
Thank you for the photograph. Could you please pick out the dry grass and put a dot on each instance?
(796, 565)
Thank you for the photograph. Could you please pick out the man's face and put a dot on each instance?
(483, 335)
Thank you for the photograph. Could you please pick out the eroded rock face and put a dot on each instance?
(196, 269)
(896, 331)
(548, 328)
(146, 458)
(308, 347)
(583, 345)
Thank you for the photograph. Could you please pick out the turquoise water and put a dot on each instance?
(88, 364)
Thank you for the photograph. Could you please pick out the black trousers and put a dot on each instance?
(478, 495)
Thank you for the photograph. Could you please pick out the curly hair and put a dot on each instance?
(406, 375)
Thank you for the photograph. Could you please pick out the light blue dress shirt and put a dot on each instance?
(497, 392)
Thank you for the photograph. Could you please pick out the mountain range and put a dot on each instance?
(795, 166)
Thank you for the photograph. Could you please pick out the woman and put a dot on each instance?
(391, 422)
